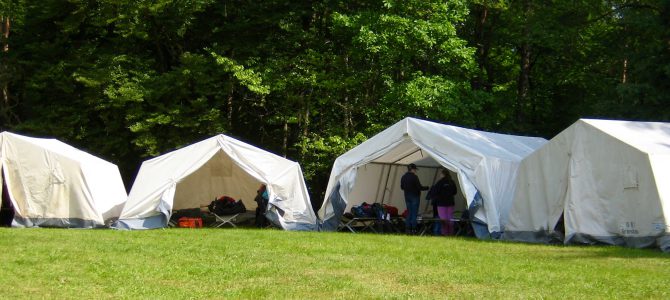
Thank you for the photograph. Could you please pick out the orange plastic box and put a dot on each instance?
(185, 222)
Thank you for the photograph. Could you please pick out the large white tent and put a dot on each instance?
(195, 175)
(47, 183)
(485, 164)
(605, 178)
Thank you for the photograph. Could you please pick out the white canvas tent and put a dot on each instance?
(608, 179)
(51, 184)
(485, 164)
(195, 175)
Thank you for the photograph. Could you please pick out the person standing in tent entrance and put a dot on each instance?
(412, 187)
(442, 195)
(262, 201)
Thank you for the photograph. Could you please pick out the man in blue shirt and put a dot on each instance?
(412, 187)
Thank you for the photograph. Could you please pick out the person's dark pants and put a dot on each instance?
(260, 220)
(437, 226)
(412, 202)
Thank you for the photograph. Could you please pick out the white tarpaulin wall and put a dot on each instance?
(52, 184)
(486, 164)
(195, 175)
(607, 178)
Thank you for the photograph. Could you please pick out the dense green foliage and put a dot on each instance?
(128, 80)
(272, 264)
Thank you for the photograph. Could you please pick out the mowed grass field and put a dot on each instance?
(274, 264)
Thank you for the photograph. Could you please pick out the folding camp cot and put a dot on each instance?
(221, 220)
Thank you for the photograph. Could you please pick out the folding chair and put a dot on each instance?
(225, 219)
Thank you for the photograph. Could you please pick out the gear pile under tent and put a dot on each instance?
(47, 183)
(485, 164)
(596, 182)
(191, 177)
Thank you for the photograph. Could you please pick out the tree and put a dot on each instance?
(310, 80)
(640, 61)
(11, 12)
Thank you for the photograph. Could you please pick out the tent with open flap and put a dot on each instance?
(596, 182)
(47, 183)
(485, 165)
(191, 177)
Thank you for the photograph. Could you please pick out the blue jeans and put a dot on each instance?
(412, 202)
(437, 226)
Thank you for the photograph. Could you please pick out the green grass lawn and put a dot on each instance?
(249, 263)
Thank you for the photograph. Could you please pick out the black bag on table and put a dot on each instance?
(226, 206)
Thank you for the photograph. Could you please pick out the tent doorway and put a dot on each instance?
(7, 208)
(219, 176)
(380, 183)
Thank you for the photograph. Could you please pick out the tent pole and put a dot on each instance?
(379, 184)
(395, 175)
(388, 174)
(408, 155)
(404, 165)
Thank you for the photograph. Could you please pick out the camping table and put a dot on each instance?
(461, 226)
(389, 225)
(366, 222)
(426, 224)
(397, 224)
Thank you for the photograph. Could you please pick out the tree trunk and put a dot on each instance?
(5, 33)
(229, 103)
(524, 64)
(6, 109)
(305, 122)
(304, 115)
(285, 144)
(483, 44)
(346, 106)
(624, 75)
(347, 116)
(524, 81)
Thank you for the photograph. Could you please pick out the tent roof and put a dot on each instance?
(58, 147)
(649, 137)
(397, 144)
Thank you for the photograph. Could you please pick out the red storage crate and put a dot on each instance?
(186, 222)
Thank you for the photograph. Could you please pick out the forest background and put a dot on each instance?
(128, 80)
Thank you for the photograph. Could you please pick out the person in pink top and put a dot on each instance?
(442, 195)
